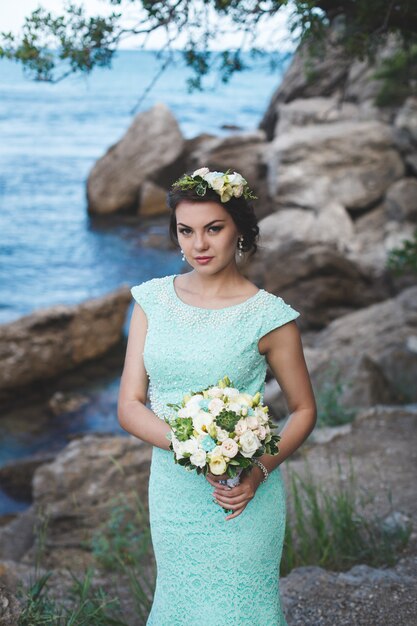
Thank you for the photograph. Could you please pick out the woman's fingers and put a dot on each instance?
(235, 513)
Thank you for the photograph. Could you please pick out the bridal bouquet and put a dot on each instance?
(219, 430)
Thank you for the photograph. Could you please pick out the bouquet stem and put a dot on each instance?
(231, 482)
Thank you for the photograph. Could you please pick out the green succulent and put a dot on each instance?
(227, 420)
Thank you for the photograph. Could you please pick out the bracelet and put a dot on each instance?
(263, 468)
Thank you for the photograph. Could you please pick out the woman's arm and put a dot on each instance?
(132, 412)
(284, 352)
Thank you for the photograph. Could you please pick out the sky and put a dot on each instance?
(12, 17)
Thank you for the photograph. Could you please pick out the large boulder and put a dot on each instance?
(79, 488)
(309, 76)
(51, 341)
(371, 352)
(315, 277)
(152, 144)
(352, 163)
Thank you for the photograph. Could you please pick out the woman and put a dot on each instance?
(187, 332)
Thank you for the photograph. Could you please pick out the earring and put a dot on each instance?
(240, 246)
(183, 257)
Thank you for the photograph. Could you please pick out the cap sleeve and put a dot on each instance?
(276, 313)
(141, 294)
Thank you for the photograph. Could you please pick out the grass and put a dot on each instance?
(90, 607)
(326, 528)
(119, 547)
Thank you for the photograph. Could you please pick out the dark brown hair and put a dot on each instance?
(241, 211)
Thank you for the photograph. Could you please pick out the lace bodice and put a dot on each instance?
(208, 344)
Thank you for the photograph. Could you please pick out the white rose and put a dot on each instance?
(179, 449)
(215, 392)
(234, 406)
(191, 445)
(231, 392)
(229, 448)
(201, 421)
(217, 184)
(195, 399)
(260, 413)
(241, 427)
(249, 443)
(199, 458)
(253, 421)
(212, 176)
(215, 406)
(201, 172)
(237, 190)
(244, 398)
(221, 434)
(260, 432)
(236, 179)
(215, 452)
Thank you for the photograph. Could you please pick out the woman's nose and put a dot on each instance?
(200, 242)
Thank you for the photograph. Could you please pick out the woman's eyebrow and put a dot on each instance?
(209, 224)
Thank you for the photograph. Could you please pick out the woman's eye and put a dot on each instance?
(185, 231)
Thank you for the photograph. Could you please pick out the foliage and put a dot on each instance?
(399, 76)
(325, 527)
(50, 48)
(124, 539)
(89, 607)
(404, 258)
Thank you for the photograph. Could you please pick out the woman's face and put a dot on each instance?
(205, 229)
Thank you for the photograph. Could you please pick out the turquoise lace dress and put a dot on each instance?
(210, 571)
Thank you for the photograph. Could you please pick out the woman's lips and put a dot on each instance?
(203, 259)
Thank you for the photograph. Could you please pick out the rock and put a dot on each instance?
(325, 434)
(153, 200)
(309, 76)
(406, 120)
(319, 110)
(372, 352)
(351, 163)
(16, 476)
(66, 402)
(77, 490)
(396, 523)
(152, 143)
(10, 608)
(314, 277)
(18, 536)
(401, 200)
(362, 595)
(51, 341)
(371, 349)
(242, 152)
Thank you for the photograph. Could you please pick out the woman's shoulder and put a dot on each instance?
(276, 309)
(144, 292)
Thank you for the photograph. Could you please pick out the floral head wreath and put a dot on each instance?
(225, 184)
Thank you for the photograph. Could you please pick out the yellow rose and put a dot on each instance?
(217, 465)
(226, 192)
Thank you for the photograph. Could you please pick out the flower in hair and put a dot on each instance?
(226, 184)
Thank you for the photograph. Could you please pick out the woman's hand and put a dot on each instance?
(236, 498)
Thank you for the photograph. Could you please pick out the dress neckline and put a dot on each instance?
(200, 308)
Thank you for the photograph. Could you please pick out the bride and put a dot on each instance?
(187, 331)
